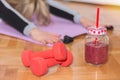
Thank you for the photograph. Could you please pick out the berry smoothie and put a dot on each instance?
(96, 53)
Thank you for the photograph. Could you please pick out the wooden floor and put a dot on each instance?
(11, 67)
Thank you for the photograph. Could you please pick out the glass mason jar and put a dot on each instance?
(96, 46)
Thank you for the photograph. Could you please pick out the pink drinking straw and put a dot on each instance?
(97, 17)
(97, 24)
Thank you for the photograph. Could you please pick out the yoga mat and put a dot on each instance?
(58, 25)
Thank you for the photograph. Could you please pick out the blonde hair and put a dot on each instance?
(29, 7)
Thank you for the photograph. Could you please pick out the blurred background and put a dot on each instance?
(102, 2)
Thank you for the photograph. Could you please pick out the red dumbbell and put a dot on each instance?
(39, 66)
(58, 51)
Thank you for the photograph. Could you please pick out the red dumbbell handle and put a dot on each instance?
(44, 54)
(58, 51)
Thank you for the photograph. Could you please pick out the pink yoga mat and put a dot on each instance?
(58, 25)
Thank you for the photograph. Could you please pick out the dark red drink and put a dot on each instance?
(96, 53)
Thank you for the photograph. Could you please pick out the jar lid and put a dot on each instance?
(97, 31)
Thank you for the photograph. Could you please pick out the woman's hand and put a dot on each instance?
(86, 22)
(89, 23)
(44, 37)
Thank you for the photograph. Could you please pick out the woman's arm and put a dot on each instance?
(62, 11)
(14, 18)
